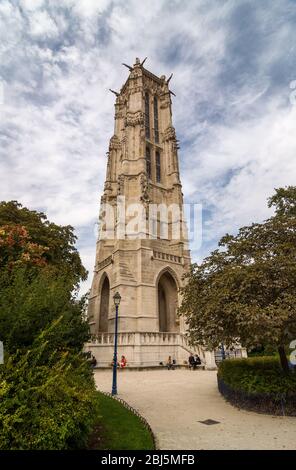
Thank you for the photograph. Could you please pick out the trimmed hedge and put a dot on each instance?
(258, 384)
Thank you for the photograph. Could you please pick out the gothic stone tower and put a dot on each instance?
(145, 264)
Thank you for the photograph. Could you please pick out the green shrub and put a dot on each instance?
(49, 405)
(257, 375)
(263, 351)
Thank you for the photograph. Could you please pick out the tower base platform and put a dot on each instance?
(147, 349)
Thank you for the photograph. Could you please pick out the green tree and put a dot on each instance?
(29, 304)
(40, 270)
(47, 391)
(245, 291)
(16, 248)
(57, 242)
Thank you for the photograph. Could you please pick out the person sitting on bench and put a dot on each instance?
(123, 362)
(170, 363)
(197, 360)
(191, 362)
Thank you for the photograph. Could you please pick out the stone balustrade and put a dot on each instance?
(104, 263)
(146, 348)
(141, 337)
(108, 338)
(167, 257)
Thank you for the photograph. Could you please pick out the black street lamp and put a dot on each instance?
(117, 299)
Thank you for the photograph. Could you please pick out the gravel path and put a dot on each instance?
(174, 403)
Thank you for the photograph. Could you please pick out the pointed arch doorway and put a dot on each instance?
(167, 291)
(104, 305)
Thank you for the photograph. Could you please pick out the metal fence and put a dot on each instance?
(135, 412)
(283, 404)
(221, 354)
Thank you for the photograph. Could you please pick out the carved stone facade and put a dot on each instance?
(147, 271)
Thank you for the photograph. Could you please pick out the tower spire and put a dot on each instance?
(141, 254)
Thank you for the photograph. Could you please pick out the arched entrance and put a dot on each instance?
(104, 305)
(167, 303)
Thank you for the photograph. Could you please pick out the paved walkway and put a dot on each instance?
(173, 402)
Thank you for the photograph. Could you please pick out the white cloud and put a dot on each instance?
(240, 168)
(232, 71)
(42, 24)
(90, 8)
(31, 5)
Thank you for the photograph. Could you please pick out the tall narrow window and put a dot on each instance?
(156, 130)
(148, 161)
(147, 116)
(158, 169)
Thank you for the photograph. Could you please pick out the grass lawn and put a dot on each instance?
(119, 428)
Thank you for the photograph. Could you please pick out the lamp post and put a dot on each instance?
(117, 299)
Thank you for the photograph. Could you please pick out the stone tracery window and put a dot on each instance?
(147, 116)
(155, 113)
(157, 165)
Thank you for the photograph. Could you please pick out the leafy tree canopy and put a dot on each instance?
(40, 271)
(29, 305)
(27, 235)
(245, 291)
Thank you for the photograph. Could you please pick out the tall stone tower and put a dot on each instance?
(144, 254)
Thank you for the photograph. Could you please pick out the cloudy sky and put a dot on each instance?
(234, 63)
